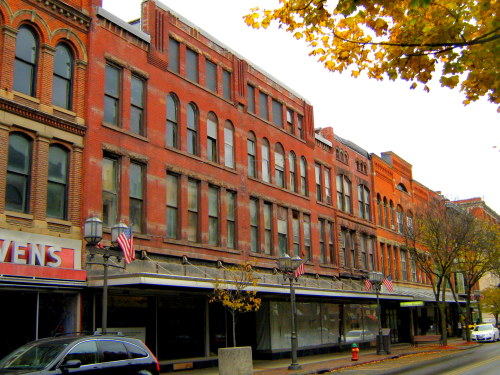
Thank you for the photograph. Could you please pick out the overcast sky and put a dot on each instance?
(452, 148)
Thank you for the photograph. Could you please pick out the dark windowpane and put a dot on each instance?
(110, 110)
(16, 193)
(112, 81)
(251, 98)
(172, 125)
(191, 65)
(85, 352)
(24, 75)
(56, 200)
(211, 76)
(137, 98)
(173, 61)
(135, 351)
(25, 62)
(226, 84)
(263, 107)
(277, 113)
(112, 350)
(136, 120)
(26, 45)
(110, 191)
(62, 79)
(18, 173)
(112, 95)
(61, 92)
(57, 184)
(136, 214)
(63, 62)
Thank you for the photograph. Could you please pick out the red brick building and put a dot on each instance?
(43, 62)
(213, 162)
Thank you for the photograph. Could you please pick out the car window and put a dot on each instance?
(112, 350)
(33, 356)
(135, 351)
(86, 352)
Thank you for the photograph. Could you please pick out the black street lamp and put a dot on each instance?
(376, 279)
(288, 266)
(92, 233)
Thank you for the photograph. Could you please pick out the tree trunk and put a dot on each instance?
(233, 314)
(468, 320)
(442, 318)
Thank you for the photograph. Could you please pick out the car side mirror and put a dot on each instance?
(72, 363)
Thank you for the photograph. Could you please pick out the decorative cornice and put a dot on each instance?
(64, 10)
(41, 117)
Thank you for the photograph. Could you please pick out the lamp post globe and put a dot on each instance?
(116, 231)
(92, 230)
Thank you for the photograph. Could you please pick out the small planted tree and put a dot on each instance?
(234, 293)
(491, 302)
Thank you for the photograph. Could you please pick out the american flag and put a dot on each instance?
(388, 283)
(300, 270)
(126, 242)
(368, 285)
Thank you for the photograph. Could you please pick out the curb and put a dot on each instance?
(397, 370)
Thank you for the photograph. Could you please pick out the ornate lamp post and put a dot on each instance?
(288, 266)
(376, 280)
(92, 233)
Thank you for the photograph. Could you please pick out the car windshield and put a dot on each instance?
(483, 328)
(33, 356)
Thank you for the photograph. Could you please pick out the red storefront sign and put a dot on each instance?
(33, 255)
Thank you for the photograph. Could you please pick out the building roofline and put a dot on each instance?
(230, 50)
(123, 24)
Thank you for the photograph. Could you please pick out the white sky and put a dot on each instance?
(450, 146)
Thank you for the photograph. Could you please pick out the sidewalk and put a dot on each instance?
(319, 364)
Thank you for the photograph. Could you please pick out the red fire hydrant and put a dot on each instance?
(355, 351)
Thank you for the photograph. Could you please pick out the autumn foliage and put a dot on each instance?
(413, 40)
(233, 292)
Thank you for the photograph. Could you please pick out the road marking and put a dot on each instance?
(470, 367)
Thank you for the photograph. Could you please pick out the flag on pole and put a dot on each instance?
(300, 270)
(126, 242)
(368, 285)
(388, 283)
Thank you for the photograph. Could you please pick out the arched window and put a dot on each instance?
(172, 121)
(379, 210)
(192, 129)
(364, 202)
(57, 187)
(229, 144)
(393, 215)
(251, 152)
(386, 213)
(266, 173)
(292, 160)
(279, 165)
(400, 219)
(212, 125)
(344, 193)
(26, 61)
(401, 187)
(62, 84)
(303, 176)
(409, 222)
(18, 173)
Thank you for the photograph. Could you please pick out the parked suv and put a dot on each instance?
(92, 354)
